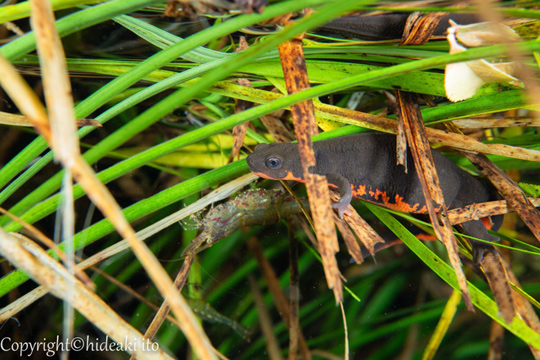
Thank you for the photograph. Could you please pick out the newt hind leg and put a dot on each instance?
(477, 229)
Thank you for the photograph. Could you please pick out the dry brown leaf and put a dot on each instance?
(305, 225)
(419, 29)
(265, 321)
(179, 283)
(360, 227)
(21, 120)
(56, 83)
(496, 122)
(423, 160)
(401, 144)
(498, 282)
(481, 210)
(364, 231)
(294, 297)
(349, 239)
(282, 304)
(496, 341)
(171, 9)
(277, 129)
(38, 235)
(379, 123)
(42, 268)
(523, 306)
(294, 69)
(239, 131)
(509, 190)
(163, 311)
(28, 103)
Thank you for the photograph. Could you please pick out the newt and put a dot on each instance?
(384, 26)
(364, 166)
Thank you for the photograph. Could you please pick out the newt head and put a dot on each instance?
(276, 162)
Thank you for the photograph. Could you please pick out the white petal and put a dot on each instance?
(460, 82)
(490, 72)
(485, 33)
(454, 46)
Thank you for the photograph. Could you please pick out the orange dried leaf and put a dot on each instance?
(296, 79)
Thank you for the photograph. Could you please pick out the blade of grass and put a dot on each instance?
(19, 47)
(283, 102)
(181, 96)
(442, 326)
(445, 272)
(56, 278)
(132, 213)
(22, 10)
(61, 137)
(496, 102)
(119, 84)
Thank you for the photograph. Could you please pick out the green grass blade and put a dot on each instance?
(119, 84)
(133, 212)
(446, 273)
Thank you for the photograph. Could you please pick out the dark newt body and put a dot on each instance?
(385, 26)
(364, 166)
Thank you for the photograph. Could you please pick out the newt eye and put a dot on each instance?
(273, 162)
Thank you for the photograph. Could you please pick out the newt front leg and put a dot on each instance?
(345, 192)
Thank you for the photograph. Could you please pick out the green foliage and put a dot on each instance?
(181, 79)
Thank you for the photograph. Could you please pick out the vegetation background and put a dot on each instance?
(165, 90)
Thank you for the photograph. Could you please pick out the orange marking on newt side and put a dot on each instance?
(376, 196)
(289, 176)
(381, 198)
(359, 191)
(488, 223)
(426, 237)
(385, 199)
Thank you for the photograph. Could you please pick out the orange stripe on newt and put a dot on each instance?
(426, 237)
(359, 191)
(488, 222)
(381, 197)
(289, 176)
(375, 196)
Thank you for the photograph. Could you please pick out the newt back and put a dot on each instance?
(364, 166)
(368, 162)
